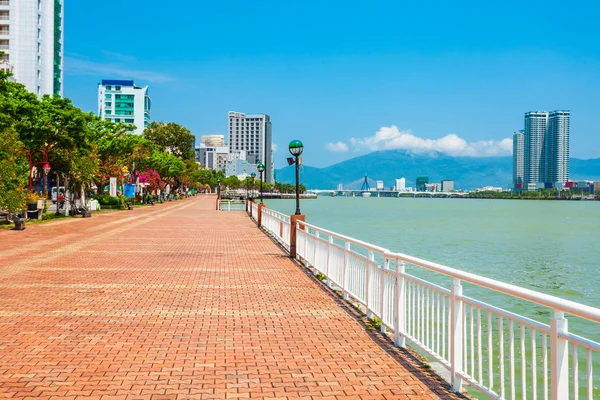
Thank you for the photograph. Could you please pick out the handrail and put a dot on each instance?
(570, 307)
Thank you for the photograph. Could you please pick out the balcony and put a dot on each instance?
(4, 3)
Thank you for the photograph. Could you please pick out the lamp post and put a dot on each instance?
(261, 169)
(44, 163)
(218, 188)
(253, 175)
(296, 148)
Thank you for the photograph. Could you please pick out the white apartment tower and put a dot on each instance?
(546, 147)
(123, 101)
(518, 158)
(31, 37)
(557, 149)
(536, 123)
(253, 134)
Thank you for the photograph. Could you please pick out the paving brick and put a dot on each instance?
(181, 301)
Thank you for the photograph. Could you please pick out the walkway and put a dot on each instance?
(179, 301)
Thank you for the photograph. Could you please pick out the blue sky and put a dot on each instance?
(348, 77)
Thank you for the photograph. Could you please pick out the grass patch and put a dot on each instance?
(373, 324)
(321, 277)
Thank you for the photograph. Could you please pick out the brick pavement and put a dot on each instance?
(179, 301)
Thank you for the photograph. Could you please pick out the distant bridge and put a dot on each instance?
(385, 193)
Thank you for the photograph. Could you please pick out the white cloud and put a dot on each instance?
(391, 138)
(80, 66)
(274, 147)
(339, 147)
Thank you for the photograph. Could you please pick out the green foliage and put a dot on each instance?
(173, 138)
(321, 277)
(13, 172)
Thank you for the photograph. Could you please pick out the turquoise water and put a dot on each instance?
(548, 246)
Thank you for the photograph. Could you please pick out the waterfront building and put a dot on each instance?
(213, 158)
(518, 159)
(31, 37)
(546, 147)
(252, 133)
(213, 140)
(536, 123)
(123, 101)
(379, 185)
(557, 149)
(447, 185)
(421, 182)
(401, 185)
(240, 168)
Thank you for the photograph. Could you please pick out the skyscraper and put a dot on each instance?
(546, 148)
(534, 154)
(123, 101)
(557, 151)
(518, 158)
(31, 37)
(253, 134)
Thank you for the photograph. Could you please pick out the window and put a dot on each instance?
(39, 74)
(117, 119)
(39, 48)
(107, 112)
(117, 87)
(39, 90)
(108, 104)
(39, 19)
(39, 60)
(107, 96)
(109, 87)
(129, 121)
(39, 5)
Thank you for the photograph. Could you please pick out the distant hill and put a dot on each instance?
(467, 172)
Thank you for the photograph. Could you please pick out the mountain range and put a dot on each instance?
(388, 165)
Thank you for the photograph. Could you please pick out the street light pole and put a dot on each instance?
(253, 175)
(46, 165)
(296, 147)
(261, 169)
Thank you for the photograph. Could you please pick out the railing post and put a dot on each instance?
(259, 219)
(456, 338)
(400, 303)
(370, 259)
(293, 219)
(329, 284)
(346, 265)
(384, 272)
(559, 350)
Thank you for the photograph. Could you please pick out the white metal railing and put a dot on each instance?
(499, 352)
(232, 205)
(278, 225)
(254, 211)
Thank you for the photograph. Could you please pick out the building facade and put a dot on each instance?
(213, 158)
(557, 146)
(253, 134)
(213, 140)
(546, 148)
(518, 159)
(123, 101)
(401, 184)
(447, 185)
(31, 37)
(536, 123)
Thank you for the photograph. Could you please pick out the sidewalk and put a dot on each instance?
(179, 301)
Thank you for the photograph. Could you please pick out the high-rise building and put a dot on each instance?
(557, 149)
(31, 37)
(536, 123)
(253, 133)
(123, 101)
(546, 148)
(213, 140)
(447, 185)
(401, 184)
(518, 159)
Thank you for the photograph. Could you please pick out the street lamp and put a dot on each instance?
(45, 165)
(296, 148)
(218, 188)
(253, 175)
(261, 169)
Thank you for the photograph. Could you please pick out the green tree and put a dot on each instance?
(13, 172)
(173, 138)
